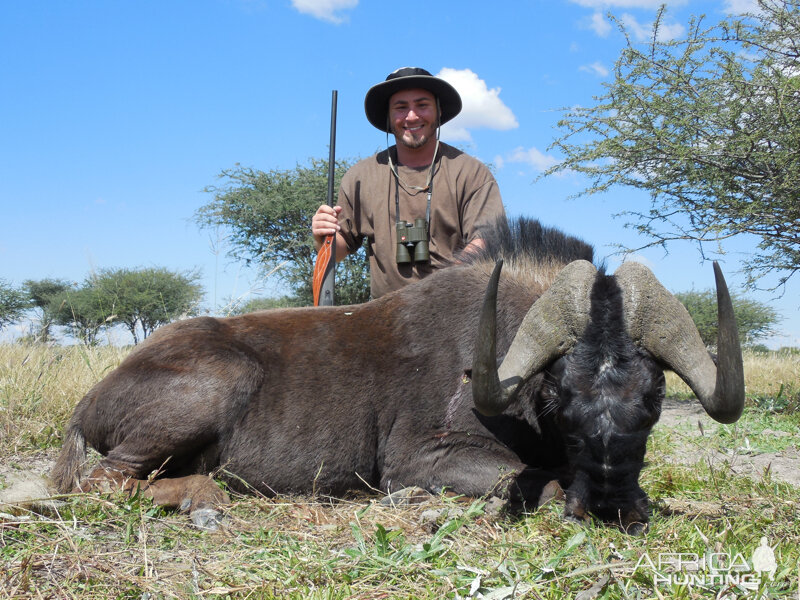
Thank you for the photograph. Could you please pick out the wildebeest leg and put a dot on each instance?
(164, 464)
(188, 493)
(151, 464)
(471, 466)
(630, 512)
(170, 415)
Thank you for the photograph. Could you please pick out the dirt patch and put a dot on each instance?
(689, 421)
(24, 484)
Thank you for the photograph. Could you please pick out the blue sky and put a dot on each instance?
(116, 115)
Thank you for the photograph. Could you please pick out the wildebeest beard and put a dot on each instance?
(606, 396)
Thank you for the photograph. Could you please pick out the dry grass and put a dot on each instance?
(40, 385)
(303, 547)
(766, 375)
(312, 548)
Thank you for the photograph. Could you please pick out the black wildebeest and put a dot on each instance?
(405, 391)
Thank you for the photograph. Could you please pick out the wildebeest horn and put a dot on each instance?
(550, 328)
(658, 322)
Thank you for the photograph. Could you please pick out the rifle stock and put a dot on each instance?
(325, 265)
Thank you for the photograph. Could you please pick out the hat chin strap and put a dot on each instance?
(438, 123)
(398, 182)
(393, 167)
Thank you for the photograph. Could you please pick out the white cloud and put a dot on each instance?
(482, 107)
(740, 7)
(326, 10)
(600, 25)
(596, 68)
(532, 156)
(643, 32)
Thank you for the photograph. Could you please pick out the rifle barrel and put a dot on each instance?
(328, 282)
(332, 149)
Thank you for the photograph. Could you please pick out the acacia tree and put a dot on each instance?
(256, 304)
(40, 293)
(84, 311)
(139, 299)
(268, 218)
(13, 303)
(144, 299)
(754, 320)
(709, 125)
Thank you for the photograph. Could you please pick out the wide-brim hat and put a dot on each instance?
(376, 102)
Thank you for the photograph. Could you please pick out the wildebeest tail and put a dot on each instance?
(66, 473)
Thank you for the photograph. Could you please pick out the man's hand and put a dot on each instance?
(324, 222)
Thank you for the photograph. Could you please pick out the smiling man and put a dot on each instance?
(420, 202)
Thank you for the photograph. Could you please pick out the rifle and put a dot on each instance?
(325, 267)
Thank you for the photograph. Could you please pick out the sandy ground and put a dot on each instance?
(689, 420)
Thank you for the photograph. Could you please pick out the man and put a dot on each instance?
(418, 194)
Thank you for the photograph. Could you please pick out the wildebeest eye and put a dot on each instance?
(549, 395)
(549, 387)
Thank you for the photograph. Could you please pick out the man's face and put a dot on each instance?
(412, 115)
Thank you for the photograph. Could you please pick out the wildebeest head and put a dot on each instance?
(602, 342)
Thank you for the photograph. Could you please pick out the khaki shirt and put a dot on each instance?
(465, 199)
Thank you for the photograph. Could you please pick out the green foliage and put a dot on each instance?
(144, 299)
(268, 218)
(265, 304)
(83, 311)
(41, 293)
(787, 400)
(13, 303)
(140, 299)
(754, 319)
(708, 126)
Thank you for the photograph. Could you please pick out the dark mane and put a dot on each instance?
(522, 238)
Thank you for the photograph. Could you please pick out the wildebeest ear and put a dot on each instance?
(550, 329)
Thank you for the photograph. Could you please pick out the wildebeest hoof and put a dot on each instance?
(636, 529)
(201, 492)
(577, 519)
(206, 518)
(575, 510)
(634, 523)
(551, 491)
(494, 506)
(406, 496)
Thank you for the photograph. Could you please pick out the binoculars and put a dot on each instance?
(412, 237)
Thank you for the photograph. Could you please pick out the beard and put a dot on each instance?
(412, 140)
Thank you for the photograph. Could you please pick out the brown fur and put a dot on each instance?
(329, 399)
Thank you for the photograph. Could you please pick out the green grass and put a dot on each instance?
(90, 546)
(757, 431)
(299, 548)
